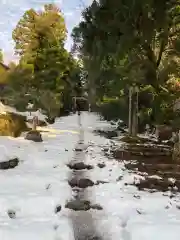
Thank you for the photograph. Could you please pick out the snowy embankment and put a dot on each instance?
(7, 109)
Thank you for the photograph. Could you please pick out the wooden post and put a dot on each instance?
(135, 111)
(35, 122)
(130, 111)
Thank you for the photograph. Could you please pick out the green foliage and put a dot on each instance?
(46, 71)
(113, 109)
(126, 42)
(35, 27)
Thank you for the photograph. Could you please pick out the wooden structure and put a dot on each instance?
(75, 98)
(133, 110)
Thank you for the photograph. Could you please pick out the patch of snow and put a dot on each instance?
(35, 187)
(5, 108)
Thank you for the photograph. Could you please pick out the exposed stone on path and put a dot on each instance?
(81, 183)
(80, 148)
(80, 166)
(78, 205)
(12, 163)
(34, 136)
(82, 205)
(101, 165)
(119, 178)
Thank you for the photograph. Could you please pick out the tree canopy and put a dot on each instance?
(45, 66)
(131, 42)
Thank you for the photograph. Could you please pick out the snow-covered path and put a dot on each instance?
(35, 189)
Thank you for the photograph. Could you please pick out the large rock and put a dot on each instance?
(12, 163)
(34, 136)
(12, 124)
(164, 132)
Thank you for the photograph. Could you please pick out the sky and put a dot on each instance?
(12, 10)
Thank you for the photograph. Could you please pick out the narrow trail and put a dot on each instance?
(82, 221)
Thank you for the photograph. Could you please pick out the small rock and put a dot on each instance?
(139, 211)
(56, 166)
(34, 136)
(66, 150)
(137, 196)
(96, 206)
(55, 227)
(119, 178)
(100, 182)
(101, 165)
(152, 191)
(48, 186)
(178, 207)
(78, 205)
(11, 213)
(58, 208)
(46, 150)
(78, 149)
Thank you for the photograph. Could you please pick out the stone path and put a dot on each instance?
(82, 221)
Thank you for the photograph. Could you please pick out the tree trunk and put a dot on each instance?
(92, 95)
